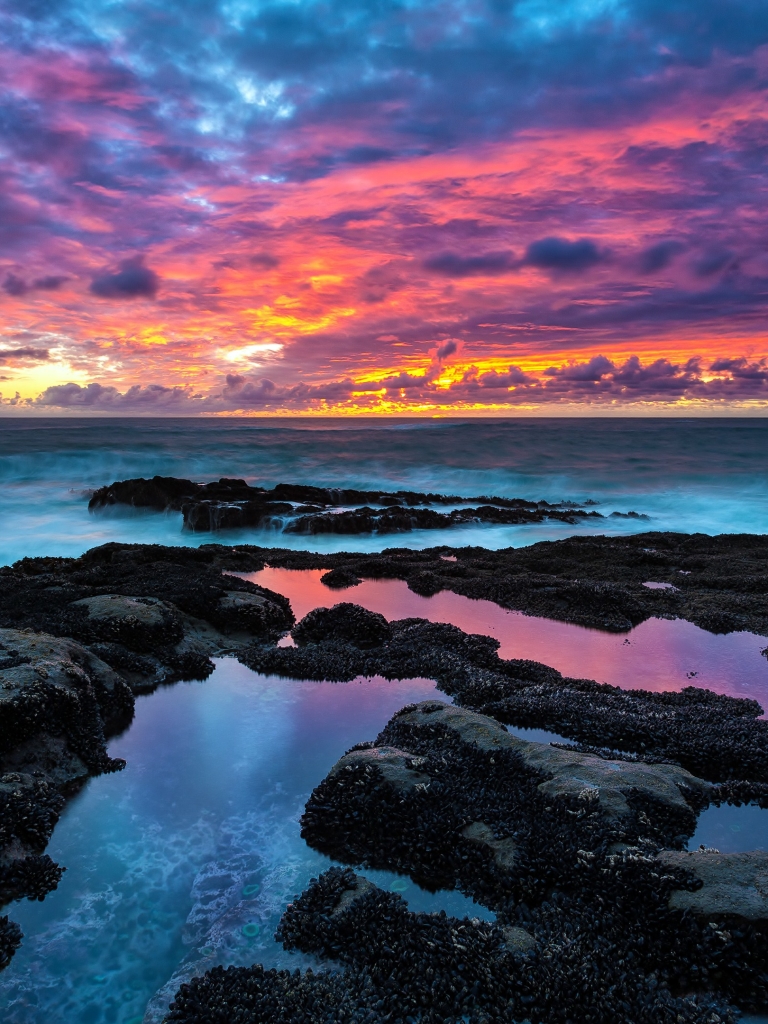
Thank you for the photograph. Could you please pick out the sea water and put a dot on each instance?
(189, 856)
(690, 475)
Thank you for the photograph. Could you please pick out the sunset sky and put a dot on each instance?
(423, 207)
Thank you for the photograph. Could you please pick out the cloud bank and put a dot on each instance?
(467, 203)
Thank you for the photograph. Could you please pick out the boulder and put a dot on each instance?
(140, 623)
(348, 623)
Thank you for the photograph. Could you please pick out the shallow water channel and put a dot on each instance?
(659, 654)
(189, 856)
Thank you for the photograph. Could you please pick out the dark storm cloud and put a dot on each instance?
(563, 256)
(453, 264)
(133, 280)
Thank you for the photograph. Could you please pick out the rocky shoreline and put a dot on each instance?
(577, 848)
(302, 509)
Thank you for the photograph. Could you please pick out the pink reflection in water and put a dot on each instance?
(659, 654)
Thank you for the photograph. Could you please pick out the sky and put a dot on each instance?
(427, 207)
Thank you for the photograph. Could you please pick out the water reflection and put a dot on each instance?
(659, 654)
(189, 856)
(731, 829)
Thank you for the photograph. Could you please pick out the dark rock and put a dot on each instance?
(719, 582)
(340, 579)
(10, 940)
(348, 623)
(234, 504)
(154, 614)
(733, 885)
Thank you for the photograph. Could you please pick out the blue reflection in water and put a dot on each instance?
(189, 856)
(731, 829)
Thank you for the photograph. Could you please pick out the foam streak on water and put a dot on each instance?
(690, 475)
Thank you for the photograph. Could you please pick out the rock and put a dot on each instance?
(232, 504)
(567, 772)
(56, 701)
(154, 614)
(502, 850)
(10, 940)
(397, 767)
(54, 686)
(518, 939)
(348, 623)
(141, 623)
(256, 614)
(340, 579)
(733, 884)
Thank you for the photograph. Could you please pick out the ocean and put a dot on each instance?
(692, 475)
(188, 857)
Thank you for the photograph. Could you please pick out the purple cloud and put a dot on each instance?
(563, 256)
(133, 280)
(452, 264)
(37, 355)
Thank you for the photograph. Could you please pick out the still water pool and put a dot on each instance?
(659, 654)
(189, 856)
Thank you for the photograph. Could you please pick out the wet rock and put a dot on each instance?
(518, 939)
(58, 688)
(733, 885)
(339, 579)
(140, 623)
(232, 504)
(10, 940)
(397, 767)
(502, 850)
(590, 581)
(254, 613)
(392, 965)
(154, 614)
(567, 773)
(57, 701)
(348, 623)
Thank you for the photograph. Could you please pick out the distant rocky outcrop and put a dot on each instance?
(302, 509)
